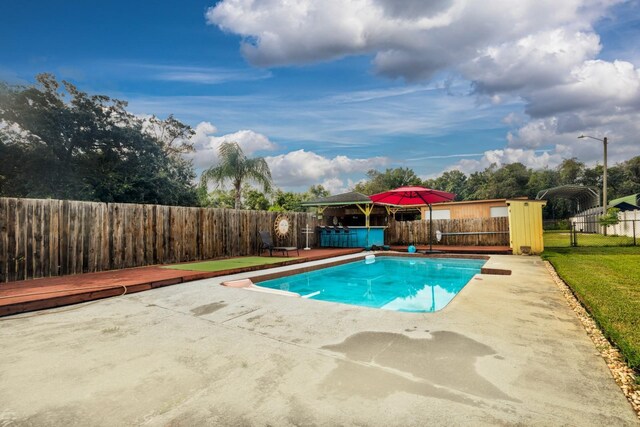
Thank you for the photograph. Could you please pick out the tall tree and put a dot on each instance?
(378, 182)
(452, 181)
(234, 166)
(60, 142)
(510, 181)
(173, 136)
(317, 192)
(631, 183)
(288, 201)
(571, 171)
(478, 184)
(254, 199)
(217, 198)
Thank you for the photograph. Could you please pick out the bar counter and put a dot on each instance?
(358, 237)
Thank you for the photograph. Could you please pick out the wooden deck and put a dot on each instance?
(50, 292)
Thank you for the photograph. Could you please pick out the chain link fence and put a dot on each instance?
(581, 231)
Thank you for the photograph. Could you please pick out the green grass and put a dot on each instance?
(229, 264)
(561, 239)
(557, 239)
(607, 282)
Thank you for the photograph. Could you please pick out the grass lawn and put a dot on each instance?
(562, 239)
(229, 264)
(557, 239)
(607, 282)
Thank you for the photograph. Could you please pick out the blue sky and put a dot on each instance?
(328, 90)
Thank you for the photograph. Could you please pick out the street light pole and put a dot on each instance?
(604, 175)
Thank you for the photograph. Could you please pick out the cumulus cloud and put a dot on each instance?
(410, 39)
(335, 185)
(292, 170)
(530, 158)
(535, 61)
(302, 168)
(512, 119)
(595, 86)
(295, 169)
(543, 52)
(534, 134)
(565, 146)
(597, 97)
(207, 144)
(563, 142)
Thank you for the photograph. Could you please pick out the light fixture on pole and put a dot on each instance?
(604, 174)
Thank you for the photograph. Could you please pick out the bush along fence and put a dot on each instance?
(454, 232)
(42, 238)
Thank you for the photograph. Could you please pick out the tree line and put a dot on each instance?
(59, 142)
(515, 180)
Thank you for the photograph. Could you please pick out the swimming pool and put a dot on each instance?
(390, 283)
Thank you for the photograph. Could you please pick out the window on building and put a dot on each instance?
(439, 214)
(499, 211)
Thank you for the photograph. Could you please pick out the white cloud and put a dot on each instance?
(303, 168)
(208, 76)
(599, 98)
(184, 74)
(335, 185)
(293, 170)
(595, 86)
(543, 52)
(207, 145)
(512, 119)
(534, 134)
(536, 60)
(531, 158)
(411, 39)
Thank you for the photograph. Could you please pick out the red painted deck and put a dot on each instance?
(50, 292)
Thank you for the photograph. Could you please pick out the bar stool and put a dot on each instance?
(350, 238)
(319, 235)
(326, 233)
(337, 236)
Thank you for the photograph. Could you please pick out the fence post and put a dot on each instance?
(570, 233)
(634, 232)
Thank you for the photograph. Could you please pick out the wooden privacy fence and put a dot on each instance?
(456, 232)
(42, 238)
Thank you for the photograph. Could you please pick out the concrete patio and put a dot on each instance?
(506, 350)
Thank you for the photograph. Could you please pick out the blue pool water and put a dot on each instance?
(391, 283)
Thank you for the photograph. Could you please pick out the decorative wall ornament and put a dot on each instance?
(282, 226)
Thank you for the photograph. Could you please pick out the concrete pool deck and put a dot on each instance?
(506, 350)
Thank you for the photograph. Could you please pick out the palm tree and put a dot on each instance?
(235, 166)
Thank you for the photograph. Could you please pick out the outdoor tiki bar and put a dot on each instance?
(349, 220)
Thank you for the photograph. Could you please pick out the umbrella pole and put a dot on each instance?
(430, 229)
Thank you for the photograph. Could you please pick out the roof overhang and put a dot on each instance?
(337, 204)
(344, 199)
(586, 196)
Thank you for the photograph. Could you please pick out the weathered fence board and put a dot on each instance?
(481, 232)
(42, 238)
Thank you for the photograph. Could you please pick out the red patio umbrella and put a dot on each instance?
(414, 196)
